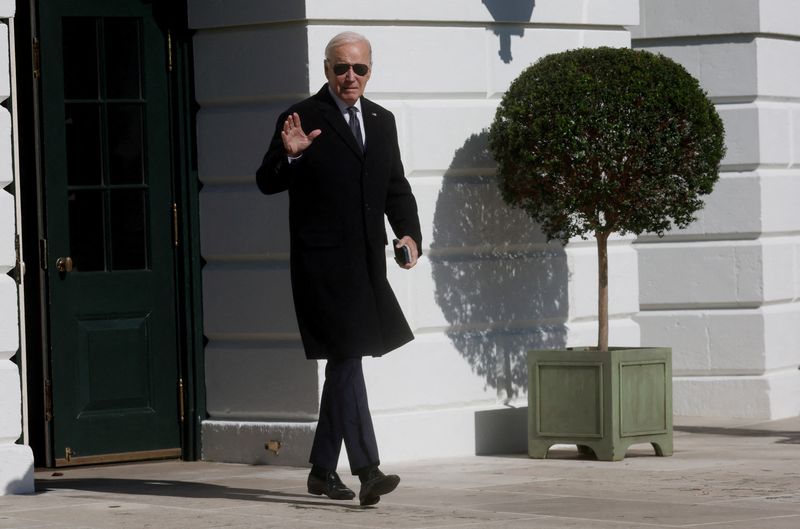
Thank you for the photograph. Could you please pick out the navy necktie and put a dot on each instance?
(355, 127)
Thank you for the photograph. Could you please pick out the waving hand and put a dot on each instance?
(295, 141)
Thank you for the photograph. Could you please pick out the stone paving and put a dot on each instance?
(724, 474)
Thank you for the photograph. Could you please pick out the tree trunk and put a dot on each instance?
(602, 291)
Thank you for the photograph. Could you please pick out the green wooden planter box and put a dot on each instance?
(603, 401)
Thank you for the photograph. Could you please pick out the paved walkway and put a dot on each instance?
(723, 474)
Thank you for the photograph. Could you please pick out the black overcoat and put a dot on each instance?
(337, 200)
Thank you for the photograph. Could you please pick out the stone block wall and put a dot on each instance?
(489, 286)
(725, 293)
(16, 460)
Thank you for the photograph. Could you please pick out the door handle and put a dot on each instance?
(64, 264)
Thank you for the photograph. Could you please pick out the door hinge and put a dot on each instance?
(19, 266)
(181, 400)
(43, 254)
(169, 51)
(48, 401)
(36, 58)
(175, 237)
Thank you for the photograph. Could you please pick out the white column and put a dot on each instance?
(16, 460)
(725, 294)
(488, 287)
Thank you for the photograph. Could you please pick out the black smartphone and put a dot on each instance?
(402, 255)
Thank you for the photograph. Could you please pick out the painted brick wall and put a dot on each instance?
(725, 294)
(16, 461)
(488, 288)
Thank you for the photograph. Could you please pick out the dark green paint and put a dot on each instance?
(114, 343)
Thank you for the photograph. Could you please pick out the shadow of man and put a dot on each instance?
(183, 489)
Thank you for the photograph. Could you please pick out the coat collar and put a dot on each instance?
(331, 114)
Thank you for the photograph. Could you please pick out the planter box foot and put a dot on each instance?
(598, 451)
(663, 448)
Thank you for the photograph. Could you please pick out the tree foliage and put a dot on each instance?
(603, 140)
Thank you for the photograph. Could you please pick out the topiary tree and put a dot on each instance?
(605, 140)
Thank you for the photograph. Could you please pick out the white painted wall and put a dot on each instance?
(488, 288)
(16, 461)
(725, 294)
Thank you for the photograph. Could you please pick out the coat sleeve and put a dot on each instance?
(275, 172)
(401, 206)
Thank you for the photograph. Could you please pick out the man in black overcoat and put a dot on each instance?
(338, 156)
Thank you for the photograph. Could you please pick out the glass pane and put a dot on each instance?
(84, 163)
(86, 239)
(80, 57)
(123, 64)
(125, 143)
(128, 229)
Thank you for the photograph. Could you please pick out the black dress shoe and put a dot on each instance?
(331, 487)
(375, 485)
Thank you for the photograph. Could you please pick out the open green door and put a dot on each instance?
(110, 255)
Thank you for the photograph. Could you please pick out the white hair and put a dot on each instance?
(347, 37)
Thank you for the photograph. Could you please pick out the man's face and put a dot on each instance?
(349, 86)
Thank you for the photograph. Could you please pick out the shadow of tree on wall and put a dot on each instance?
(509, 12)
(500, 285)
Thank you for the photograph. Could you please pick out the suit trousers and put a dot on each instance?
(344, 416)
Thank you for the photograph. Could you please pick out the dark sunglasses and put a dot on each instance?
(358, 69)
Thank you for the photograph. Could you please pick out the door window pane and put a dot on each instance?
(104, 131)
(84, 158)
(80, 58)
(123, 62)
(125, 143)
(128, 229)
(86, 238)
